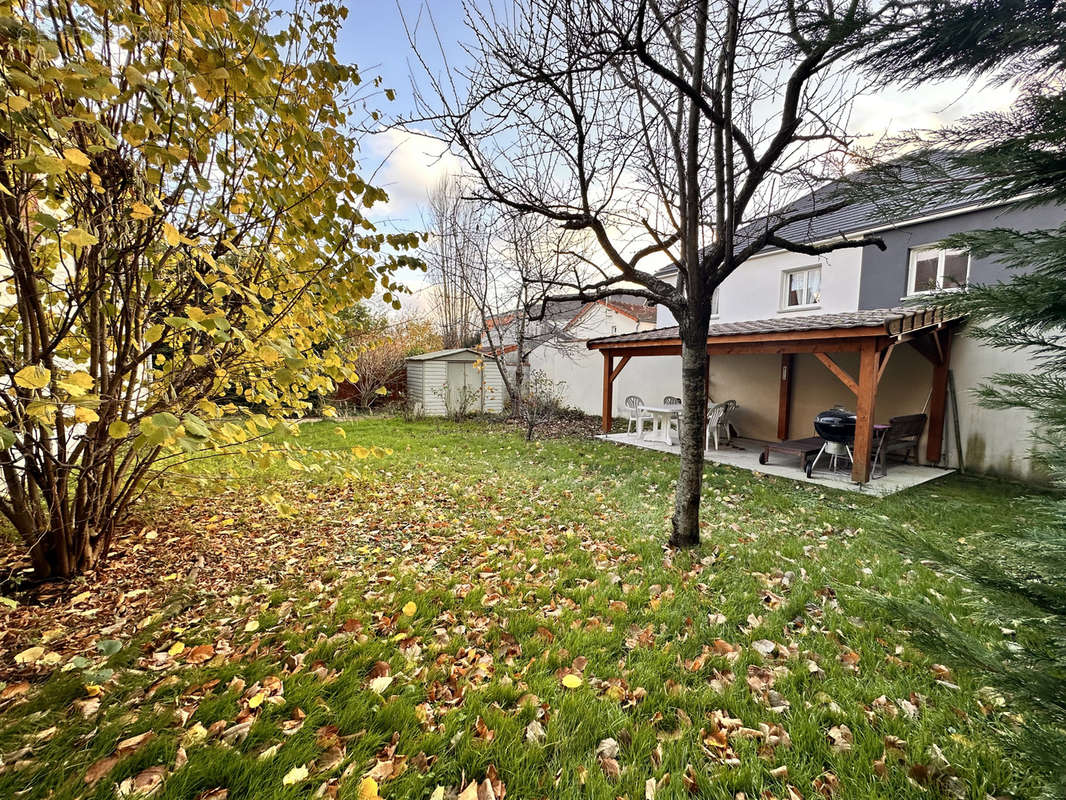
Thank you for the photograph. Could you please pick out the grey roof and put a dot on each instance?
(883, 196)
(444, 354)
(874, 202)
(894, 320)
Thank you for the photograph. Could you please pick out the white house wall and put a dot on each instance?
(579, 369)
(754, 290)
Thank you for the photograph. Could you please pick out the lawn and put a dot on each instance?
(479, 616)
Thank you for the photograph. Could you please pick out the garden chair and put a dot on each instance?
(634, 418)
(901, 436)
(718, 421)
(675, 420)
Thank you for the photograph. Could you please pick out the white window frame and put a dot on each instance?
(716, 302)
(941, 253)
(787, 274)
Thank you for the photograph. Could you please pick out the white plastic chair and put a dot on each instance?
(633, 416)
(675, 420)
(718, 419)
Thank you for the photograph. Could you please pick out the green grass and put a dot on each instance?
(520, 558)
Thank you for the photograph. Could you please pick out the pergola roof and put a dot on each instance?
(875, 322)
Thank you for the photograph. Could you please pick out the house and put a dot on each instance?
(555, 343)
(793, 335)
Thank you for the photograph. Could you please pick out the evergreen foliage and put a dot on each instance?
(1018, 154)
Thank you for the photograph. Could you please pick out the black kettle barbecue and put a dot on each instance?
(837, 427)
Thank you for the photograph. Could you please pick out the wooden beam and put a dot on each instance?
(825, 334)
(938, 397)
(621, 365)
(608, 392)
(779, 348)
(864, 415)
(835, 368)
(784, 397)
(884, 356)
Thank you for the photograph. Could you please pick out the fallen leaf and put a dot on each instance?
(133, 743)
(535, 732)
(30, 655)
(100, 769)
(840, 738)
(607, 748)
(380, 684)
(368, 789)
(295, 775)
(143, 783)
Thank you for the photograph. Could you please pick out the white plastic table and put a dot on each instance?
(661, 417)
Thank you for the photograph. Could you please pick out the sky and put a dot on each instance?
(407, 166)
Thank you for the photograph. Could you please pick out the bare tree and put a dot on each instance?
(449, 255)
(664, 131)
(520, 260)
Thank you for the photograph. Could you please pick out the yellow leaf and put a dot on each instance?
(360, 451)
(257, 700)
(118, 429)
(294, 775)
(571, 681)
(80, 237)
(368, 789)
(140, 211)
(33, 377)
(76, 157)
(29, 656)
(410, 609)
(43, 412)
(339, 431)
(153, 334)
(170, 233)
(177, 648)
(252, 626)
(85, 415)
(17, 103)
(76, 384)
(380, 683)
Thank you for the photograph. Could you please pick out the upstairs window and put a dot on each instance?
(935, 269)
(714, 302)
(802, 288)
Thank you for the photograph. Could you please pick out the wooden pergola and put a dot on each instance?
(874, 335)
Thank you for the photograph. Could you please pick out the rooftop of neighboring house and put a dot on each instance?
(567, 312)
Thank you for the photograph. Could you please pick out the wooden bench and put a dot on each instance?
(802, 449)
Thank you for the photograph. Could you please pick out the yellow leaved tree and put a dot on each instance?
(182, 221)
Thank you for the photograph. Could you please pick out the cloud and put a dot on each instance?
(894, 111)
(407, 166)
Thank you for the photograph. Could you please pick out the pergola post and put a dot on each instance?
(608, 391)
(784, 399)
(864, 413)
(938, 399)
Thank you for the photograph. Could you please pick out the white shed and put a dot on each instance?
(448, 382)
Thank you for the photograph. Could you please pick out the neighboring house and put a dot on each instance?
(771, 314)
(556, 343)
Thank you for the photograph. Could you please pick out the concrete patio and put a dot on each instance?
(744, 454)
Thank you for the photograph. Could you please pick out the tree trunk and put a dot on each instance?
(516, 403)
(686, 520)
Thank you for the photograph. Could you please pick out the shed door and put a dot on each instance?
(464, 387)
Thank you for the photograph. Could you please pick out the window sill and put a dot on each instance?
(925, 292)
(790, 309)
